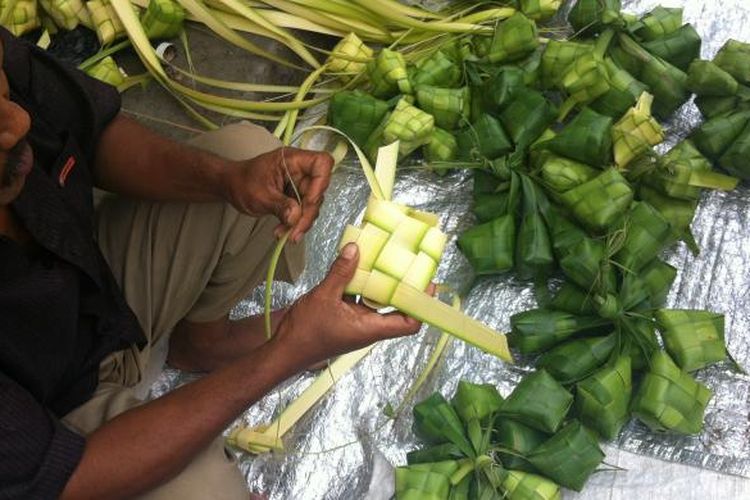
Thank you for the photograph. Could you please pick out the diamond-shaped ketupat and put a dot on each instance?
(669, 399)
(400, 249)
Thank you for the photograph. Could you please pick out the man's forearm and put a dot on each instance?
(134, 161)
(145, 446)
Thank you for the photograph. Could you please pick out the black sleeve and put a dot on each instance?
(38, 453)
(64, 97)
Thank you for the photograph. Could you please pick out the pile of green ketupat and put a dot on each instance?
(560, 137)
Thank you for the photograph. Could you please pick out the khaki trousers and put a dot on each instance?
(175, 261)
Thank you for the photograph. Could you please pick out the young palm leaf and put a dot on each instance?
(648, 287)
(562, 174)
(540, 10)
(624, 91)
(476, 404)
(527, 116)
(436, 453)
(734, 159)
(484, 139)
(667, 83)
(349, 57)
(570, 298)
(498, 91)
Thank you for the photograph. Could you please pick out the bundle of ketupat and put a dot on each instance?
(623, 58)
(512, 232)
(723, 90)
(481, 446)
(595, 335)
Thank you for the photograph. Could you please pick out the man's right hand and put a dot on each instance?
(321, 324)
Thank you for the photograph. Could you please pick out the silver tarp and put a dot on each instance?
(345, 447)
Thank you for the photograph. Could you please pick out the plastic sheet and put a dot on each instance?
(342, 449)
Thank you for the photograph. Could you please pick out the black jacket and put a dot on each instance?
(61, 311)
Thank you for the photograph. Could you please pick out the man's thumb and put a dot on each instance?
(286, 210)
(343, 268)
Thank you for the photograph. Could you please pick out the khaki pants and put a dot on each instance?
(175, 261)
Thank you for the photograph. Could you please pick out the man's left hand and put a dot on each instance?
(266, 185)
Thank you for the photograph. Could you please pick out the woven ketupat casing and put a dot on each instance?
(106, 21)
(23, 18)
(693, 338)
(348, 58)
(162, 19)
(669, 399)
(65, 13)
(388, 74)
(397, 246)
(107, 71)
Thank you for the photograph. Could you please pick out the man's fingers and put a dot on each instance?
(342, 271)
(393, 324)
(310, 212)
(286, 209)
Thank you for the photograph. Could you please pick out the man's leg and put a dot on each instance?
(183, 266)
(212, 474)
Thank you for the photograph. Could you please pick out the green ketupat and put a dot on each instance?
(636, 132)
(388, 74)
(694, 339)
(514, 38)
(669, 399)
(162, 19)
(349, 57)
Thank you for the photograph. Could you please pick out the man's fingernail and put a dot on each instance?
(349, 251)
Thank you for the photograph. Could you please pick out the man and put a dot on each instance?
(85, 300)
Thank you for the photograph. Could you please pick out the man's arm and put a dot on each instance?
(134, 161)
(148, 445)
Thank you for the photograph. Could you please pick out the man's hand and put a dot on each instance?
(321, 324)
(263, 185)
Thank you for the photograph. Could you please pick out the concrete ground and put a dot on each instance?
(212, 57)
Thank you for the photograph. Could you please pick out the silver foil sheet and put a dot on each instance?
(346, 446)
